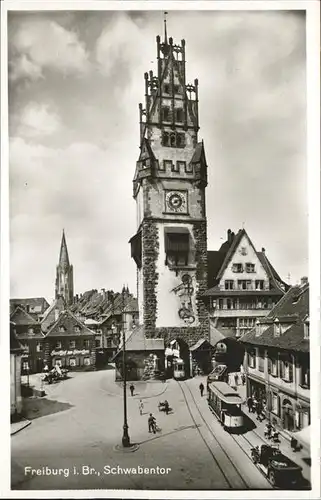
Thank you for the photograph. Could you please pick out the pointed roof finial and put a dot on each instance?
(165, 26)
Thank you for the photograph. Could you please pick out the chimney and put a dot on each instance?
(77, 297)
(229, 236)
(103, 291)
(56, 314)
(304, 280)
(263, 250)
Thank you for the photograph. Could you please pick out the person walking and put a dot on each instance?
(243, 378)
(151, 423)
(141, 406)
(259, 408)
(250, 404)
(201, 387)
(132, 388)
(166, 405)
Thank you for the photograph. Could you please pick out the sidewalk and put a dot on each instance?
(301, 457)
(18, 426)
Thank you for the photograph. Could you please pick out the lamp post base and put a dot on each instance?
(125, 438)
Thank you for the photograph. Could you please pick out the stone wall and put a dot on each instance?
(150, 276)
(200, 235)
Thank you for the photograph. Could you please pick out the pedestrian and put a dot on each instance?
(236, 378)
(166, 406)
(259, 411)
(46, 368)
(201, 387)
(151, 423)
(132, 388)
(250, 404)
(243, 379)
(141, 406)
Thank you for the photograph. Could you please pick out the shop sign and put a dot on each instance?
(74, 352)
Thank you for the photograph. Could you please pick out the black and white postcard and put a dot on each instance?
(160, 249)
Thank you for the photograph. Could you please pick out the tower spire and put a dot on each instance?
(165, 27)
(63, 256)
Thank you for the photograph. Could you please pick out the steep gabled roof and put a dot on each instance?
(49, 316)
(218, 261)
(138, 342)
(292, 308)
(20, 317)
(32, 302)
(231, 250)
(68, 321)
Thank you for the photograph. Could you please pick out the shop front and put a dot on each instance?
(256, 389)
(73, 359)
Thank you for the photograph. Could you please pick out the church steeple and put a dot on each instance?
(63, 257)
(64, 274)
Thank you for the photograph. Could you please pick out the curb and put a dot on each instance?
(23, 425)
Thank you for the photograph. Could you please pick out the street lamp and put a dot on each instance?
(125, 438)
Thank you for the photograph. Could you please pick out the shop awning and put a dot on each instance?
(303, 436)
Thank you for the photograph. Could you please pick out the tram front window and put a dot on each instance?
(233, 410)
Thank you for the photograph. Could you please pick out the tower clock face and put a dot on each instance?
(176, 201)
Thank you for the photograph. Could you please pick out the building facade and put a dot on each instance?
(29, 334)
(69, 343)
(243, 285)
(16, 351)
(170, 245)
(277, 360)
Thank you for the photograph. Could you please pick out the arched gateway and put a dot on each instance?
(170, 245)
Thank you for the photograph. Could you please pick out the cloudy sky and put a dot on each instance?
(75, 81)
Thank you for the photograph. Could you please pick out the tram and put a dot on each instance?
(225, 402)
(178, 369)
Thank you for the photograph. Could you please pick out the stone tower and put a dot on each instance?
(64, 274)
(170, 245)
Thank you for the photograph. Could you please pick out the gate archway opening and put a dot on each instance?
(177, 349)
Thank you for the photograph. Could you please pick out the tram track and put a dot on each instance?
(238, 473)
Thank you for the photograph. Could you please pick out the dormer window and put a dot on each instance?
(237, 268)
(166, 88)
(249, 268)
(62, 329)
(277, 328)
(77, 329)
(168, 164)
(31, 331)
